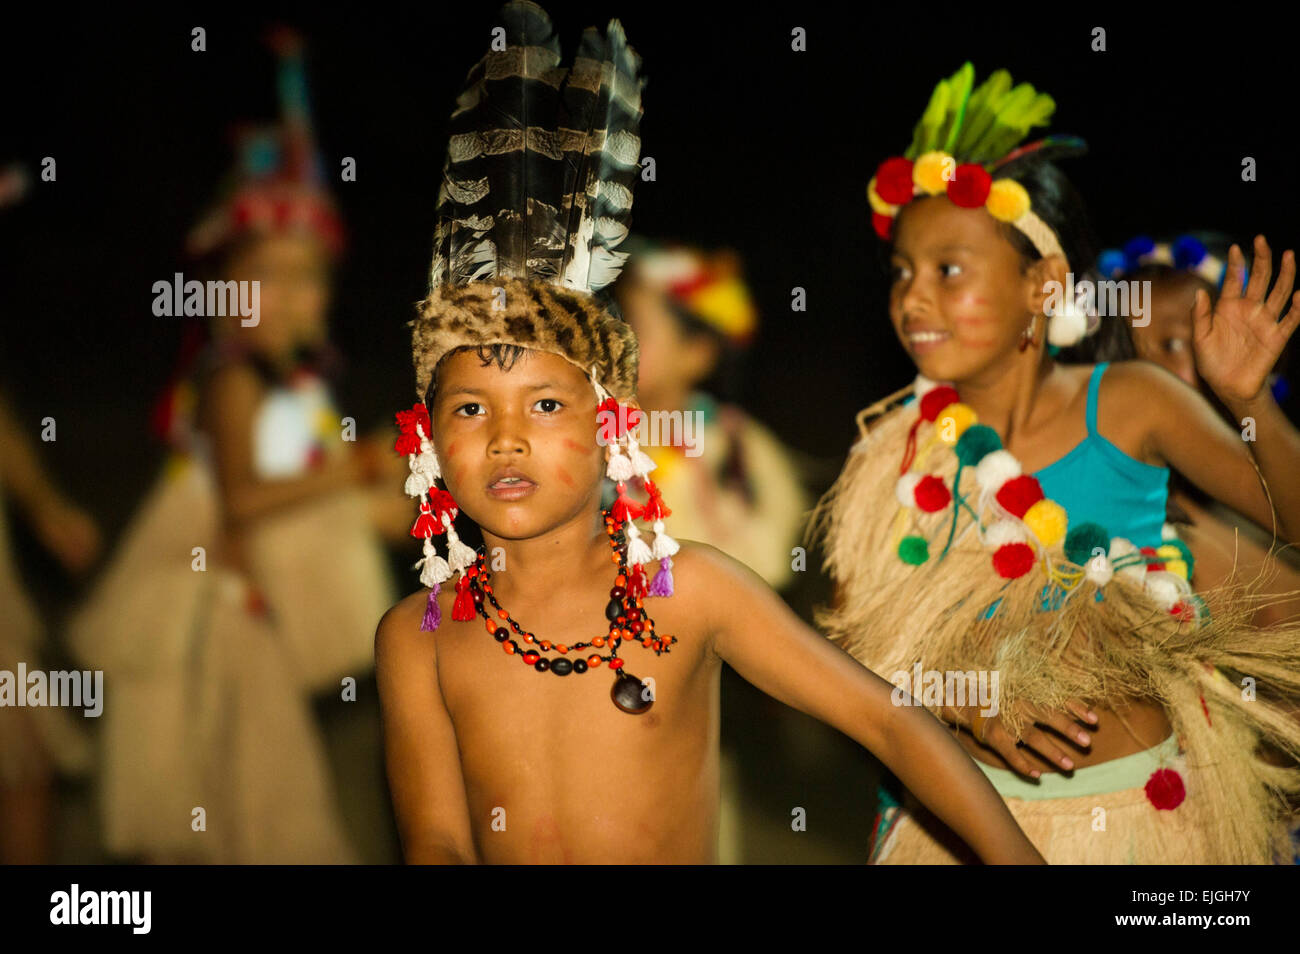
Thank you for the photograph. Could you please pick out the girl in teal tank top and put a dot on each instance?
(977, 273)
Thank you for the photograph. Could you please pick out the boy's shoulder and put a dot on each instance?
(701, 571)
(399, 627)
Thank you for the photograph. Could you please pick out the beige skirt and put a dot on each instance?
(1117, 827)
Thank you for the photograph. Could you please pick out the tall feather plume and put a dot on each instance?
(537, 153)
(601, 97)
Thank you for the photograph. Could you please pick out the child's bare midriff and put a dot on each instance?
(554, 772)
(1120, 730)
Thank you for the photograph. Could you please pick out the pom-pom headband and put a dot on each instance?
(966, 136)
(1186, 253)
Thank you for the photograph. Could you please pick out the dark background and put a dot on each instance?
(757, 147)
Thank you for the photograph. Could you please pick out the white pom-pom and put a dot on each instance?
(1099, 571)
(1003, 532)
(416, 485)
(664, 545)
(1165, 588)
(1068, 326)
(1120, 547)
(905, 489)
(619, 468)
(995, 469)
(1168, 532)
(923, 386)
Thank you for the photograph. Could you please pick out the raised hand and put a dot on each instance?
(1239, 343)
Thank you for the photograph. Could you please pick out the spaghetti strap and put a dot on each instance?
(1094, 385)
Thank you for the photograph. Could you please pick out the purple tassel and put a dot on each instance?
(432, 614)
(662, 584)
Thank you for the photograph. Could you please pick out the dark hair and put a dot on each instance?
(501, 354)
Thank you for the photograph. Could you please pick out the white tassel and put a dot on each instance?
(1002, 532)
(641, 462)
(619, 468)
(459, 555)
(416, 485)
(435, 569)
(664, 545)
(638, 551)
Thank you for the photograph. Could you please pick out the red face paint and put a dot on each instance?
(451, 450)
(564, 476)
(580, 448)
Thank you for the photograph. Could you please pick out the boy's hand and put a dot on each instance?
(994, 734)
(1238, 345)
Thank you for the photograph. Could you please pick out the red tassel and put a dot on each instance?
(463, 608)
(655, 509)
(626, 509)
(636, 584)
(425, 524)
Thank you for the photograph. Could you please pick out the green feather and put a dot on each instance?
(959, 89)
(925, 133)
(982, 111)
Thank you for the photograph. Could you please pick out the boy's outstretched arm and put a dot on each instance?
(420, 751)
(762, 639)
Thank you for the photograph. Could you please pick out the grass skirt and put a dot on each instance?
(1219, 677)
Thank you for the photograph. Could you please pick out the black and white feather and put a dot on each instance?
(542, 159)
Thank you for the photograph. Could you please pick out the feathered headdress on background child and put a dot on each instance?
(967, 146)
(536, 197)
(277, 184)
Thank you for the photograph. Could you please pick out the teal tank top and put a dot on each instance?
(1098, 482)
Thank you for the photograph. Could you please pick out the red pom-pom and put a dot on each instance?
(1165, 789)
(1018, 494)
(931, 494)
(443, 502)
(406, 421)
(883, 224)
(1012, 560)
(969, 186)
(407, 444)
(935, 400)
(894, 180)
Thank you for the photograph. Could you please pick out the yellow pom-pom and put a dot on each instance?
(1007, 200)
(1176, 566)
(928, 170)
(953, 421)
(1047, 521)
(877, 203)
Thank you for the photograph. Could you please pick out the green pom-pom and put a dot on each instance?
(914, 550)
(975, 442)
(1083, 539)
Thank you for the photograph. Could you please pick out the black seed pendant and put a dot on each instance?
(629, 694)
(613, 609)
(561, 667)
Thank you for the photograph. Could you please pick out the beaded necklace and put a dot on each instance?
(627, 620)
